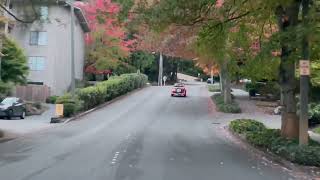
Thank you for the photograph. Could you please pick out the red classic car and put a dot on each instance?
(179, 90)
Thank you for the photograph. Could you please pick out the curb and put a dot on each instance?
(80, 115)
(295, 168)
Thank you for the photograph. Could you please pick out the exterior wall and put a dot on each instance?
(57, 71)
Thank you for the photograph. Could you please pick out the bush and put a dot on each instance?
(214, 88)
(90, 97)
(265, 89)
(314, 114)
(226, 108)
(263, 138)
(243, 126)
(71, 104)
(52, 99)
(270, 139)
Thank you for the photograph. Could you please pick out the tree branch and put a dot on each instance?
(18, 19)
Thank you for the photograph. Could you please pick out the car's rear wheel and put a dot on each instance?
(23, 115)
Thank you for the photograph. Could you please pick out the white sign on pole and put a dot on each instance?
(304, 67)
(164, 80)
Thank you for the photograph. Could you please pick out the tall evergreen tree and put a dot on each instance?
(14, 63)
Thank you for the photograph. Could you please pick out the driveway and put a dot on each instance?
(29, 124)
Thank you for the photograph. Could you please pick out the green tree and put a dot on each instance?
(291, 23)
(14, 67)
(141, 60)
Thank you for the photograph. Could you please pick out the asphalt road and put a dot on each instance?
(146, 136)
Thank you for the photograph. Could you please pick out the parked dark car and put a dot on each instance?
(210, 81)
(179, 90)
(12, 107)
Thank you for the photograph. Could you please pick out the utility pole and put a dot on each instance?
(73, 84)
(160, 70)
(304, 81)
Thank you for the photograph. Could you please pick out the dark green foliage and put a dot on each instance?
(314, 114)
(14, 67)
(242, 126)
(264, 89)
(226, 108)
(52, 99)
(110, 89)
(141, 60)
(263, 137)
(270, 139)
(5, 89)
(71, 104)
(123, 68)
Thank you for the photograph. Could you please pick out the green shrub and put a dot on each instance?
(92, 96)
(214, 88)
(226, 108)
(52, 99)
(243, 126)
(314, 113)
(263, 138)
(110, 89)
(270, 139)
(71, 104)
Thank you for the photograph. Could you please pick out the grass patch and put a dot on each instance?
(270, 139)
(214, 88)
(317, 130)
(226, 108)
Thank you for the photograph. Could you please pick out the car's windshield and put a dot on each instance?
(178, 85)
(8, 101)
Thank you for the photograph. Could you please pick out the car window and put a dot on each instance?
(9, 101)
(178, 85)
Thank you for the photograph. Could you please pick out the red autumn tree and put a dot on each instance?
(107, 42)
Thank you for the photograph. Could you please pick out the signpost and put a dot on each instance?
(304, 90)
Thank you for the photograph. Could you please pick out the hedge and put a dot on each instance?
(93, 96)
(270, 139)
(226, 108)
(214, 88)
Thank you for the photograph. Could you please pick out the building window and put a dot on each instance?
(36, 63)
(38, 38)
(44, 13)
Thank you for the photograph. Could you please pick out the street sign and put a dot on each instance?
(304, 67)
(59, 110)
(164, 79)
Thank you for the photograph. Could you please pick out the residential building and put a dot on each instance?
(47, 41)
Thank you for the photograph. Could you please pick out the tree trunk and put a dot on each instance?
(290, 121)
(288, 18)
(225, 79)
(220, 82)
